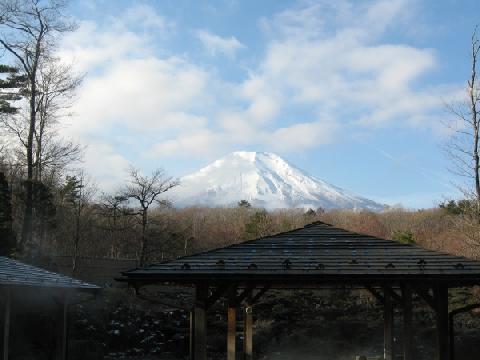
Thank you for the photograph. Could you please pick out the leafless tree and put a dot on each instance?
(145, 190)
(113, 206)
(114, 211)
(28, 30)
(464, 146)
(78, 193)
(56, 89)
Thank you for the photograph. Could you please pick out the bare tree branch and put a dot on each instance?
(146, 190)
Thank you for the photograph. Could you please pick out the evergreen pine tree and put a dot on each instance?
(7, 240)
(11, 88)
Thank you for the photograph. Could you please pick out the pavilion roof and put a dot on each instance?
(315, 254)
(16, 273)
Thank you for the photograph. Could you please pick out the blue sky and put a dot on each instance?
(353, 92)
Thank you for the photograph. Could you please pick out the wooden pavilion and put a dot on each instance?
(318, 255)
(22, 282)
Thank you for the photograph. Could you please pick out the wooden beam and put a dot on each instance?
(407, 323)
(217, 294)
(441, 312)
(259, 294)
(200, 322)
(6, 323)
(231, 325)
(394, 295)
(248, 330)
(61, 329)
(387, 326)
(425, 295)
(376, 294)
(247, 292)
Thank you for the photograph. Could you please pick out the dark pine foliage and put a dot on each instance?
(12, 87)
(7, 238)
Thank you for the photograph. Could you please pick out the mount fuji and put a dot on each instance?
(265, 180)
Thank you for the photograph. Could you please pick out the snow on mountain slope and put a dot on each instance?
(265, 180)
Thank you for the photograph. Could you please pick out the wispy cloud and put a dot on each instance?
(217, 45)
(147, 17)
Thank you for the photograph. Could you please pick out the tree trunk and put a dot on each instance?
(28, 212)
(472, 84)
(143, 245)
(76, 241)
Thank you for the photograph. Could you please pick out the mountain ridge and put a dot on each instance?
(265, 180)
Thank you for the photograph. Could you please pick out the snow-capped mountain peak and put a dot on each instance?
(265, 180)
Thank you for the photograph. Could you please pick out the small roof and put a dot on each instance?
(16, 273)
(318, 253)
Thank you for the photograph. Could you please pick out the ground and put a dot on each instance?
(289, 325)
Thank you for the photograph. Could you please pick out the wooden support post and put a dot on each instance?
(62, 329)
(231, 325)
(387, 326)
(407, 323)
(248, 331)
(441, 310)
(6, 323)
(231, 332)
(200, 322)
(192, 335)
(451, 335)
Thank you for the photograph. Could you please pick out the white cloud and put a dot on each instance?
(204, 143)
(130, 96)
(147, 17)
(90, 46)
(106, 164)
(330, 56)
(325, 60)
(302, 136)
(147, 94)
(216, 45)
(134, 33)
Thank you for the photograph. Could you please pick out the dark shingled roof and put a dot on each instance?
(16, 273)
(316, 254)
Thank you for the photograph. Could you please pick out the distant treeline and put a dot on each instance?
(94, 228)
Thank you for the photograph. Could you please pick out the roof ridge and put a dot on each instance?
(306, 226)
(315, 223)
(321, 253)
